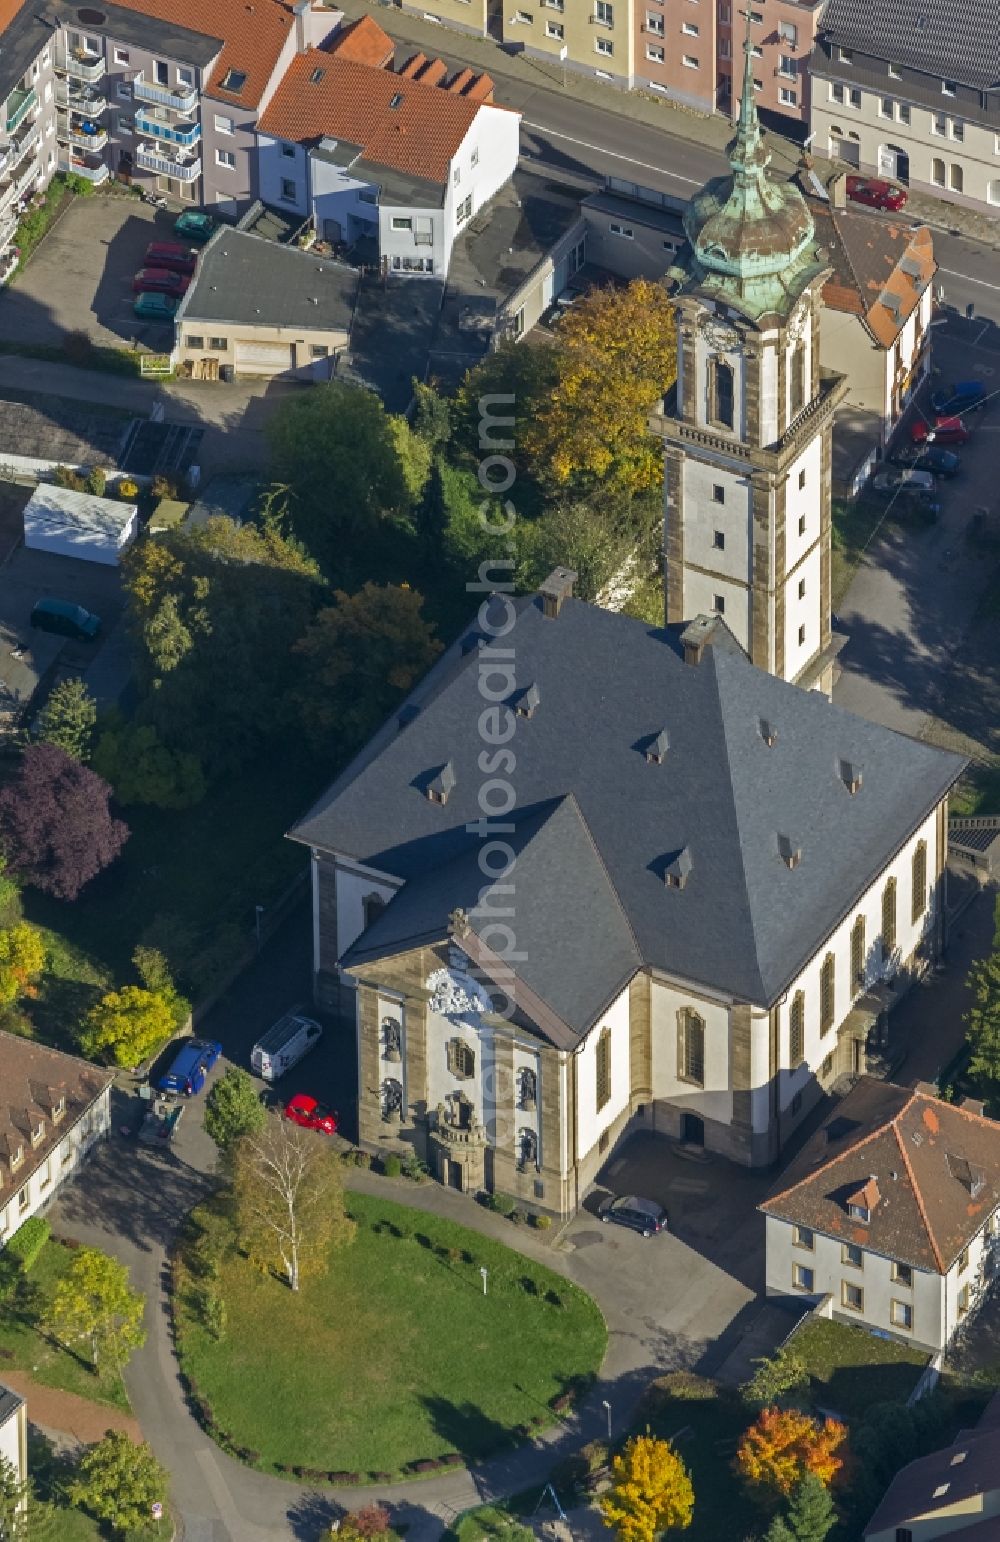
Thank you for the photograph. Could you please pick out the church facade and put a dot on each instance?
(595, 876)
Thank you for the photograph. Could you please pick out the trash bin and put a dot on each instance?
(227, 372)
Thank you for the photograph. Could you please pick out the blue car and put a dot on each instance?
(964, 396)
(190, 1067)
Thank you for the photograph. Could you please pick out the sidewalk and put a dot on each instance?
(65, 1413)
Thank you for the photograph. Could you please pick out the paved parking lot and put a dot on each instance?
(26, 654)
(80, 278)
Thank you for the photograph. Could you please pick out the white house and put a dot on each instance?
(14, 1432)
(401, 160)
(71, 524)
(890, 1213)
(53, 1107)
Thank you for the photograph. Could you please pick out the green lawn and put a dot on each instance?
(704, 1421)
(977, 793)
(854, 523)
(394, 1356)
(24, 1345)
(850, 1369)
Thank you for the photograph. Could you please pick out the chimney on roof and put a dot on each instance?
(440, 786)
(789, 851)
(696, 637)
(656, 749)
(300, 10)
(837, 190)
(973, 1106)
(850, 775)
(927, 1089)
(556, 588)
(768, 733)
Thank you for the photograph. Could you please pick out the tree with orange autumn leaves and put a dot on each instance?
(784, 1444)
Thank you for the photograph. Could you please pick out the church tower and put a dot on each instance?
(747, 429)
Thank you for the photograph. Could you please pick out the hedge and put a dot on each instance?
(28, 1241)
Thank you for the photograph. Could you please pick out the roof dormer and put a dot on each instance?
(861, 1205)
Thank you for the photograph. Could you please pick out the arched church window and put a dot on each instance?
(722, 393)
(392, 1039)
(691, 1047)
(527, 1088)
(392, 1099)
(527, 1149)
(461, 1059)
(798, 380)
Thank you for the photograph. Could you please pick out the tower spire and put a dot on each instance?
(747, 153)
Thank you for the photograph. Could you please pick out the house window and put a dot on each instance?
(858, 953)
(288, 151)
(919, 881)
(788, 32)
(691, 1047)
(45, 1174)
(837, 93)
(844, 55)
(797, 1030)
(287, 190)
(456, 175)
(889, 918)
(957, 128)
(827, 977)
(604, 46)
(719, 540)
(65, 1153)
(654, 24)
(937, 172)
(885, 107)
(474, 157)
(224, 125)
(552, 29)
(788, 98)
(16, 1159)
(234, 81)
(401, 222)
(58, 1109)
(718, 493)
(852, 1296)
(464, 210)
(802, 588)
(803, 1237)
(788, 65)
(37, 1135)
(852, 1256)
(802, 518)
(319, 351)
(964, 1297)
(859, 1212)
(802, 1278)
(121, 55)
(939, 123)
(903, 110)
(895, 73)
(603, 1068)
(963, 1260)
(798, 381)
(854, 98)
(689, 29)
(901, 1315)
(655, 53)
(625, 232)
(948, 88)
(527, 1088)
(720, 604)
(721, 384)
(461, 1059)
(22, 1199)
(372, 907)
(993, 191)
(185, 77)
(902, 1274)
(604, 11)
(690, 62)
(802, 636)
(161, 73)
(956, 178)
(225, 158)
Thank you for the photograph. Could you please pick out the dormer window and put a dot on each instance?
(17, 1157)
(233, 81)
(863, 1201)
(440, 786)
(58, 1110)
(37, 1135)
(860, 1213)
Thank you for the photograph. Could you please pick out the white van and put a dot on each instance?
(284, 1045)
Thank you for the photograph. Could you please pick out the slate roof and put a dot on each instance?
(245, 279)
(966, 1469)
(10, 1402)
(936, 1168)
(875, 262)
(954, 39)
(743, 922)
(352, 101)
(32, 1078)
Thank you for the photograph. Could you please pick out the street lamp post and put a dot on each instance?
(607, 1409)
(485, 1274)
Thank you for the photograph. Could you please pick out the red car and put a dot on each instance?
(170, 254)
(944, 431)
(159, 281)
(876, 193)
(311, 1115)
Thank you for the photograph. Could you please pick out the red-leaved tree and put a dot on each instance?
(56, 827)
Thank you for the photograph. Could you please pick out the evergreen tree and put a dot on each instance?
(810, 1511)
(68, 719)
(983, 1019)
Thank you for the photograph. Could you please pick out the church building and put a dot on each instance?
(596, 876)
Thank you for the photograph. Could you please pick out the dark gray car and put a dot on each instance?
(641, 1215)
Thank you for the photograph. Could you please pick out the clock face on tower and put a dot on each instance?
(720, 335)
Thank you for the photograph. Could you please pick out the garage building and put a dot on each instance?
(260, 309)
(70, 524)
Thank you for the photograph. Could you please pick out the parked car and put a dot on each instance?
(927, 457)
(170, 254)
(910, 481)
(160, 281)
(193, 226)
(964, 396)
(310, 1114)
(284, 1045)
(190, 1066)
(65, 619)
(877, 193)
(945, 431)
(642, 1215)
(155, 307)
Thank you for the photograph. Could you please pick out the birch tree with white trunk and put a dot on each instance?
(289, 1199)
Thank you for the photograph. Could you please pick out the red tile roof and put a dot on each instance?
(364, 42)
(253, 33)
(41, 1090)
(420, 135)
(867, 257)
(935, 1168)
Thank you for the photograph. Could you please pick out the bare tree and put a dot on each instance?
(289, 1198)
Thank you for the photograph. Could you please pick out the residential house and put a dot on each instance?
(258, 308)
(891, 1212)
(399, 160)
(594, 876)
(950, 1493)
(908, 89)
(53, 1107)
(14, 1436)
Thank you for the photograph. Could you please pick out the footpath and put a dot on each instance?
(64, 1413)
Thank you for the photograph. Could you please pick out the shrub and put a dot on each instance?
(362, 1159)
(77, 347)
(391, 1165)
(541, 1222)
(596, 1454)
(413, 1167)
(370, 1521)
(127, 490)
(28, 1241)
(65, 476)
(501, 1204)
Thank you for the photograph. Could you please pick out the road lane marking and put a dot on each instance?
(582, 144)
(968, 279)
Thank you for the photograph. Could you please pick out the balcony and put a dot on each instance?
(184, 99)
(81, 66)
(145, 123)
(21, 148)
(8, 230)
(83, 100)
(79, 168)
(92, 140)
(182, 165)
(19, 104)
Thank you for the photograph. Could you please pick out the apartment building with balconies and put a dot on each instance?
(27, 126)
